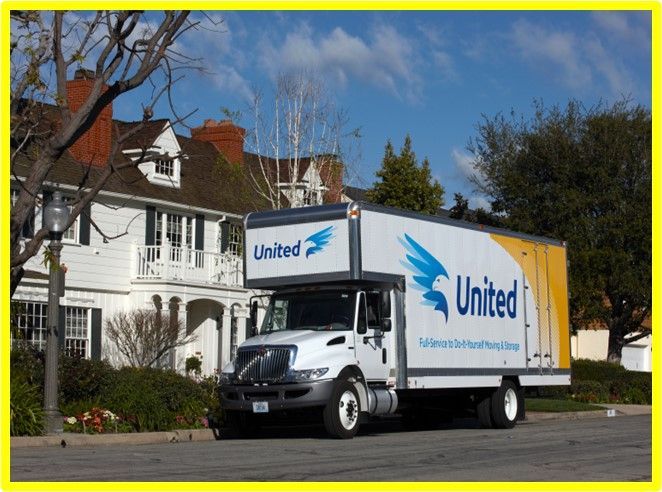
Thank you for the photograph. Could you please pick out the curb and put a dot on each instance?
(608, 411)
(199, 435)
(74, 439)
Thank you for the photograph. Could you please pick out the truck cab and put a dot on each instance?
(317, 346)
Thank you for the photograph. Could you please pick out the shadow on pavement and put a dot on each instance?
(376, 426)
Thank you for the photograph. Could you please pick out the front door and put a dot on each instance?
(370, 343)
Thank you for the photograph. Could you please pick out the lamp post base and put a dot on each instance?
(54, 422)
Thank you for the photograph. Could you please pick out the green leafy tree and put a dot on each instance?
(405, 184)
(582, 175)
(461, 211)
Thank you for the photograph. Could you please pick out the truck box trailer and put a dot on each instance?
(377, 310)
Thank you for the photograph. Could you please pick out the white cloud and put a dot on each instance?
(479, 201)
(559, 51)
(384, 58)
(215, 44)
(629, 27)
(610, 67)
(444, 62)
(584, 61)
(464, 163)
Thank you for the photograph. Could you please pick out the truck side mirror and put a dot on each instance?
(254, 318)
(385, 300)
(386, 324)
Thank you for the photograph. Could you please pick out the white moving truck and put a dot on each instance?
(378, 310)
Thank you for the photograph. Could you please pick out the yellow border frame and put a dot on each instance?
(653, 7)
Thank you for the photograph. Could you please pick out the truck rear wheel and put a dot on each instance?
(341, 414)
(505, 405)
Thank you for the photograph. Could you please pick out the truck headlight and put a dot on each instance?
(309, 374)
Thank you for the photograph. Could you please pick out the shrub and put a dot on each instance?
(601, 371)
(153, 399)
(589, 391)
(83, 379)
(635, 396)
(556, 392)
(193, 365)
(26, 412)
(27, 364)
(209, 386)
(623, 386)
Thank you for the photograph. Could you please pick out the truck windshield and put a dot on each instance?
(310, 311)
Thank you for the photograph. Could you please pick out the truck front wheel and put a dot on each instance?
(505, 405)
(341, 414)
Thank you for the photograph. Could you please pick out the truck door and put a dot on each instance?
(370, 343)
(539, 342)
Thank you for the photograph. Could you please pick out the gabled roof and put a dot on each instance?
(202, 184)
(145, 137)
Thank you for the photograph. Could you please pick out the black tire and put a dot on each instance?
(341, 414)
(484, 411)
(505, 405)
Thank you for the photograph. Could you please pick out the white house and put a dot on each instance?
(175, 225)
(638, 355)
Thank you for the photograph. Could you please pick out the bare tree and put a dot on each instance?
(126, 49)
(300, 127)
(144, 336)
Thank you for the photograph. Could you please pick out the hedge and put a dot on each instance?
(143, 399)
(603, 382)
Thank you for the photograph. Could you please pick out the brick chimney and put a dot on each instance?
(225, 136)
(332, 175)
(93, 146)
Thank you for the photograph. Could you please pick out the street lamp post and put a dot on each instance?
(56, 216)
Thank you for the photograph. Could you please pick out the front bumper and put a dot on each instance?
(279, 396)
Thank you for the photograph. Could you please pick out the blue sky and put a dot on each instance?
(429, 74)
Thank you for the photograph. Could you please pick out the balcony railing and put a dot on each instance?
(188, 265)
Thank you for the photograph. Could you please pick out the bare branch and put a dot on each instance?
(143, 336)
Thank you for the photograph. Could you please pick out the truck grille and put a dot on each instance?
(262, 365)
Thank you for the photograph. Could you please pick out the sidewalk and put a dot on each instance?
(73, 439)
(611, 410)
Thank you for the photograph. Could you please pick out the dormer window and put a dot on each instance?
(165, 167)
(163, 161)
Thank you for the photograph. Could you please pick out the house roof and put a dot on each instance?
(202, 184)
(354, 193)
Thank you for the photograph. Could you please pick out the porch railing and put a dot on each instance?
(171, 263)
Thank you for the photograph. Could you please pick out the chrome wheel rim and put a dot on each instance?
(348, 410)
(510, 404)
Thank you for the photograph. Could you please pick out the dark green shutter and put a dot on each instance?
(61, 327)
(84, 231)
(249, 328)
(95, 351)
(225, 236)
(150, 225)
(199, 239)
(199, 232)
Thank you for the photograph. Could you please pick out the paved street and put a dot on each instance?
(597, 449)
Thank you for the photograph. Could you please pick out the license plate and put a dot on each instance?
(260, 407)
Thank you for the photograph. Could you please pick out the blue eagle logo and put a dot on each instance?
(427, 274)
(320, 239)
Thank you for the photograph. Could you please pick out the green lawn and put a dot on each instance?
(549, 405)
